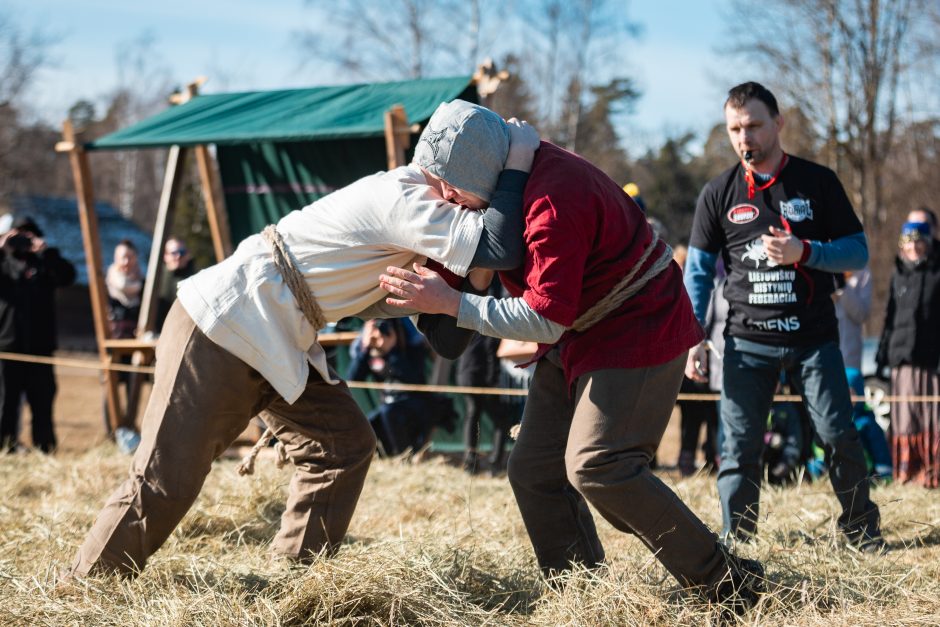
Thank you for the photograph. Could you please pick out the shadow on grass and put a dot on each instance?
(921, 540)
(260, 529)
(245, 584)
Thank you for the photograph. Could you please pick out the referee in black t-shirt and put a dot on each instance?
(782, 225)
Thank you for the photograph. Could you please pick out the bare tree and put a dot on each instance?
(144, 84)
(565, 49)
(840, 62)
(129, 179)
(22, 54)
(568, 53)
(573, 44)
(514, 98)
(398, 39)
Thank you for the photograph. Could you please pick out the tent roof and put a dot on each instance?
(316, 113)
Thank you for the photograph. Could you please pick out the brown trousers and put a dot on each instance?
(597, 444)
(203, 398)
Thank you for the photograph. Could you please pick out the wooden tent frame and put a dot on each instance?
(397, 140)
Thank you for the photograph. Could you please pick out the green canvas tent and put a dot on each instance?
(277, 151)
(280, 150)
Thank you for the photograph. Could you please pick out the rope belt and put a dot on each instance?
(286, 265)
(626, 287)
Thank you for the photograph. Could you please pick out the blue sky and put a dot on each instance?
(246, 44)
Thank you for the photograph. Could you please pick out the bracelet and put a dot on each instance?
(807, 250)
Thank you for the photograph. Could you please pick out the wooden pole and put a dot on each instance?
(91, 241)
(215, 207)
(175, 163)
(397, 135)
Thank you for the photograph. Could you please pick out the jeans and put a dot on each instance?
(751, 372)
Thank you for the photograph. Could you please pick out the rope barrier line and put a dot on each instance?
(412, 387)
(75, 363)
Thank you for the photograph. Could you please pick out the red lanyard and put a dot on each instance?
(752, 187)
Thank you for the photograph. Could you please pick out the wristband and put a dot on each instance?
(807, 250)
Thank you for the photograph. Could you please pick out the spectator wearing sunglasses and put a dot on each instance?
(179, 265)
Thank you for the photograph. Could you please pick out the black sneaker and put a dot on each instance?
(868, 542)
(471, 463)
(741, 587)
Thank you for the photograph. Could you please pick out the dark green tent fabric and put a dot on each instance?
(288, 115)
(264, 182)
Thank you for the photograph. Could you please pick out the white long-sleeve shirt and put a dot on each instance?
(342, 243)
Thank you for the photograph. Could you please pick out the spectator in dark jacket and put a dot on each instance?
(31, 272)
(910, 345)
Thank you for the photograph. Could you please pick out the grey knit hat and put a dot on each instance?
(466, 145)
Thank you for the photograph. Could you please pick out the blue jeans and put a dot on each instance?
(751, 372)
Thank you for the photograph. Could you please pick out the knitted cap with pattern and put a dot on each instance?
(466, 145)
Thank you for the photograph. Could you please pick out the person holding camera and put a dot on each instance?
(30, 272)
(392, 351)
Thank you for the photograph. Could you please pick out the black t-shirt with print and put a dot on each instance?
(779, 305)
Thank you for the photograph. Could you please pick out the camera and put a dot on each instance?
(20, 243)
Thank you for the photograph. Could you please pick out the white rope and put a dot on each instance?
(626, 287)
(286, 264)
(247, 465)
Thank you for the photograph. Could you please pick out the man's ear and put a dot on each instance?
(779, 122)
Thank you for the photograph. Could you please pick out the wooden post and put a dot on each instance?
(176, 159)
(175, 163)
(215, 209)
(88, 218)
(397, 135)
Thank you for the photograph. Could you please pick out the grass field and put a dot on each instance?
(430, 545)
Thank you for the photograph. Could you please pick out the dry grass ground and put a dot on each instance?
(431, 546)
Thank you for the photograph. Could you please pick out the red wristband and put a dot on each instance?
(807, 250)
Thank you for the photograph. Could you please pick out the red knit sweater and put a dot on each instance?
(583, 234)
